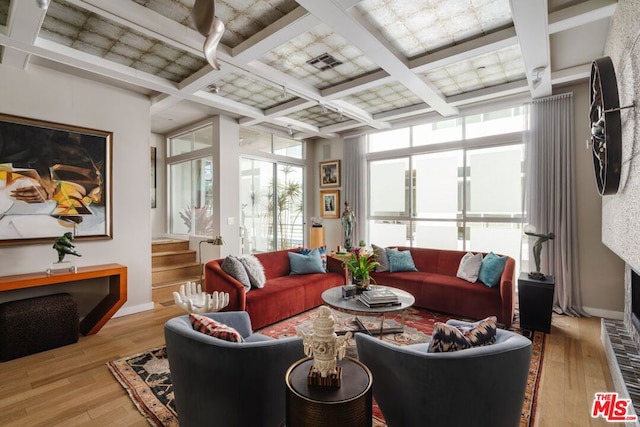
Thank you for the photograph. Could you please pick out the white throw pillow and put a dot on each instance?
(470, 267)
(254, 269)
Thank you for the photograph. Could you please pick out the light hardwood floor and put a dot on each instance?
(72, 386)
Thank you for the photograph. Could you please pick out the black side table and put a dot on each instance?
(535, 302)
(312, 406)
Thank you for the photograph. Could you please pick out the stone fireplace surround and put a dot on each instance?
(621, 343)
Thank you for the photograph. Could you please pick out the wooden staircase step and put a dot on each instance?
(160, 259)
(169, 245)
(174, 272)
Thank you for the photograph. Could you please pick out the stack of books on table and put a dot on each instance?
(378, 298)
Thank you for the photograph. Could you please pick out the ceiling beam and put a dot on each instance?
(23, 22)
(177, 35)
(353, 27)
(465, 50)
(530, 19)
(581, 14)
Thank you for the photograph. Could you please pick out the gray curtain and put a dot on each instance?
(354, 173)
(550, 196)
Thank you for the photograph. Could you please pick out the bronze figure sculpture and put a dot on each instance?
(530, 230)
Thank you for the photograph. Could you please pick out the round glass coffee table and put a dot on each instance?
(333, 297)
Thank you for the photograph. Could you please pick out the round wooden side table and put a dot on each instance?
(313, 406)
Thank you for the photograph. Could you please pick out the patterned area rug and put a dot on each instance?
(147, 379)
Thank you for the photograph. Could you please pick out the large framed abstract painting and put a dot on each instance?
(54, 179)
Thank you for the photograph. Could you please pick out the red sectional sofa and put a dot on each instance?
(436, 287)
(283, 295)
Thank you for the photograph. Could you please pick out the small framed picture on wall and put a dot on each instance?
(330, 203)
(330, 174)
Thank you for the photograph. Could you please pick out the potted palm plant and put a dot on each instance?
(360, 264)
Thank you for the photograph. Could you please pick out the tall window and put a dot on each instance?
(191, 183)
(271, 192)
(436, 186)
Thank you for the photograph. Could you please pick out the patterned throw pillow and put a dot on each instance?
(400, 261)
(452, 338)
(470, 267)
(214, 329)
(382, 258)
(254, 269)
(234, 268)
(491, 269)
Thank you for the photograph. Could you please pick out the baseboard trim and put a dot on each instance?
(135, 309)
(606, 314)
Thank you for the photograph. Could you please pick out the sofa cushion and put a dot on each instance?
(234, 268)
(491, 269)
(400, 261)
(470, 267)
(452, 338)
(210, 327)
(381, 257)
(323, 254)
(254, 269)
(306, 263)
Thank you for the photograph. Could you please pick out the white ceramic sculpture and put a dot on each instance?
(323, 344)
(193, 300)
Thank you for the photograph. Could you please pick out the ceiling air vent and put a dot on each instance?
(324, 62)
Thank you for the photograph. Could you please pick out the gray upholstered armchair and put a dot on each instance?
(217, 382)
(481, 386)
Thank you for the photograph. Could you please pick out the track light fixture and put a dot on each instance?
(42, 4)
(536, 76)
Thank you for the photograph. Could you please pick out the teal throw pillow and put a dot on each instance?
(491, 269)
(400, 261)
(323, 254)
(306, 263)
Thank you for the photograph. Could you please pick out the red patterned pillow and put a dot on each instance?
(214, 329)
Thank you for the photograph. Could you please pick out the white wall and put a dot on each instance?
(159, 214)
(323, 150)
(47, 95)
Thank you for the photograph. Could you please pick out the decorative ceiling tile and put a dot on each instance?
(89, 33)
(491, 69)
(241, 88)
(242, 18)
(292, 56)
(384, 98)
(418, 27)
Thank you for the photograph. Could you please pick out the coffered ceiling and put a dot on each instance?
(377, 61)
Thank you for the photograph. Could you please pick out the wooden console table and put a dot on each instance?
(102, 312)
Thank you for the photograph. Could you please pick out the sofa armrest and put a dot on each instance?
(508, 291)
(217, 280)
(335, 265)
